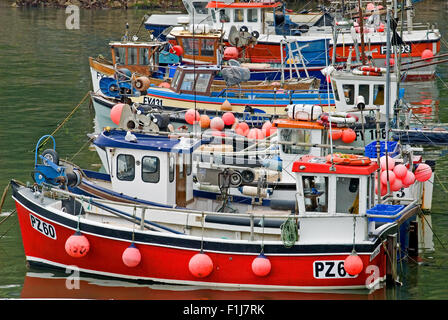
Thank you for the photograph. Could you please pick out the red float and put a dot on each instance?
(115, 113)
(200, 265)
(77, 245)
(261, 266)
(131, 256)
(353, 264)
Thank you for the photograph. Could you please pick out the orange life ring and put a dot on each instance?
(348, 159)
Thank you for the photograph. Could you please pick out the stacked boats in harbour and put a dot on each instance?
(246, 137)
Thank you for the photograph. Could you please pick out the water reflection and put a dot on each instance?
(43, 285)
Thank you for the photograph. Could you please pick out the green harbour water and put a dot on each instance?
(44, 74)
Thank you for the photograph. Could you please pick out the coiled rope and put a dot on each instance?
(289, 233)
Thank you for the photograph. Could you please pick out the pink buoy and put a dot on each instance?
(267, 125)
(204, 121)
(396, 185)
(408, 179)
(77, 245)
(390, 163)
(231, 53)
(200, 265)
(400, 171)
(164, 85)
(255, 133)
(353, 264)
(228, 118)
(380, 27)
(191, 116)
(427, 55)
(383, 189)
(383, 177)
(348, 135)
(242, 128)
(261, 266)
(217, 124)
(423, 172)
(131, 256)
(370, 6)
(115, 113)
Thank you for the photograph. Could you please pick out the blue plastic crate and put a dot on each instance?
(385, 209)
(392, 148)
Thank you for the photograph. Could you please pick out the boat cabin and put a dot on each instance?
(248, 15)
(138, 57)
(157, 168)
(200, 45)
(191, 79)
(348, 87)
(327, 190)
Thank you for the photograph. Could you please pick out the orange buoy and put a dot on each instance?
(131, 256)
(200, 265)
(226, 106)
(348, 135)
(177, 50)
(77, 245)
(353, 264)
(261, 266)
(204, 121)
(115, 113)
(335, 134)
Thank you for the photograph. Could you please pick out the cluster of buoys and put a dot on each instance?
(217, 124)
(399, 176)
(347, 135)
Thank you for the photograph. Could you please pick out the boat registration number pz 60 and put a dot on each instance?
(330, 269)
(43, 227)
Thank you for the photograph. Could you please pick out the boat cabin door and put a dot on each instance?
(181, 181)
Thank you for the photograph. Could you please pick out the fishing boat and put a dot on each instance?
(181, 239)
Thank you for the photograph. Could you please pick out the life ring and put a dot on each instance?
(369, 71)
(348, 159)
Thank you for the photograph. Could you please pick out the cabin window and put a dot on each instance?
(207, 47)
(120, 55)
(335, 89)
(349, 93)
(176, 78)
(315, 191)
(364, 90)
(200, 7)
(238, 15)
(294, 135)
(187, 83)
(189, 163)
(378, 95)
(224, 15)
(125, 167)
(150, 169)
(171, 168)
(191, 46)
(202, 82)
(252, 15)
(143, 56)
(132, 56)
(347, 195)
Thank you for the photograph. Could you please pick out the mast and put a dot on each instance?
(361, 31)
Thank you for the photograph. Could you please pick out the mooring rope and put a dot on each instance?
(65, 119)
